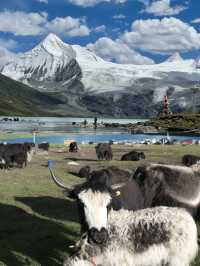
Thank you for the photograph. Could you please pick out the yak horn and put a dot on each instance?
(58, 182)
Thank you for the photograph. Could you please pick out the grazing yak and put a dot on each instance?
(44, 146)
(153, 185)
(18, 153)
(155, 236)
(189, 159)
(133, 156)
(104, 151)
(73, 146)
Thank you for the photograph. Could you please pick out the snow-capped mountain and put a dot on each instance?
(176, 57)
(46, 66)
(85, 79)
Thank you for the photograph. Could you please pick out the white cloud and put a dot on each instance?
(20, 23)
(101, 28)
(163, 8)
(118, 51)
(196, 21)
(43, 1)
(120, 16)
(68, 26)
(8, 44)
(164, 36)
(86, 3)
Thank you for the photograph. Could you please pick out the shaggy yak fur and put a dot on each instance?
(84, 172)
(169, 185)
(160, 236)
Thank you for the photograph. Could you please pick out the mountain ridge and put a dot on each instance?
(87, 81)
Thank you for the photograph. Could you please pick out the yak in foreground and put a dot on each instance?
(153, 185)
(105, 189)
(157, 236)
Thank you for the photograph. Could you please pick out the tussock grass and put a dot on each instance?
(37, 222)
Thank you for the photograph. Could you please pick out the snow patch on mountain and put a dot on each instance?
(42, 61)
(176, 57)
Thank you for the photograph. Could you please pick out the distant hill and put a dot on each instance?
(19, 99)
(183, 122)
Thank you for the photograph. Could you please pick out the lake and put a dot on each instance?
(97, 137)
(55, 130)
(27, 124)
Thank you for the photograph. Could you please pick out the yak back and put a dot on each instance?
(169, 185)
(103, 179)
(189, 159)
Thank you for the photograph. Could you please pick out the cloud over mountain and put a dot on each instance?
(37, 24)
(164, 36)
(118, 51)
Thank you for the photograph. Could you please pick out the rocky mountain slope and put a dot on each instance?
(79, 77)
(18, 99)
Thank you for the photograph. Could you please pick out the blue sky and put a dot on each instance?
(123, 31)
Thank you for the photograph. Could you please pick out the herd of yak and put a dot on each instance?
(141, 218)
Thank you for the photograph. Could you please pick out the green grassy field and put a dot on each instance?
(12, 135)
(37, 222)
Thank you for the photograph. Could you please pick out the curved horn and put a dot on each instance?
(58, 182)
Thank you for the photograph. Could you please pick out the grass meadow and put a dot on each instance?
(37, 222)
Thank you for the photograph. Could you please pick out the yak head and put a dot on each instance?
(95, 197)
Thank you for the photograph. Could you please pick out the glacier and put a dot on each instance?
(55, 66)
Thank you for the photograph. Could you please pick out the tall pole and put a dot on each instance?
(166, 105)
(34, 136)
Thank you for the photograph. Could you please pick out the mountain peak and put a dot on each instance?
(51, 37)
(56, 47)
(174, 58)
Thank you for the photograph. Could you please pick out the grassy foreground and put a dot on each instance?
(37, 223)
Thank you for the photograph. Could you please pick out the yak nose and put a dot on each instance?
(98, 237)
